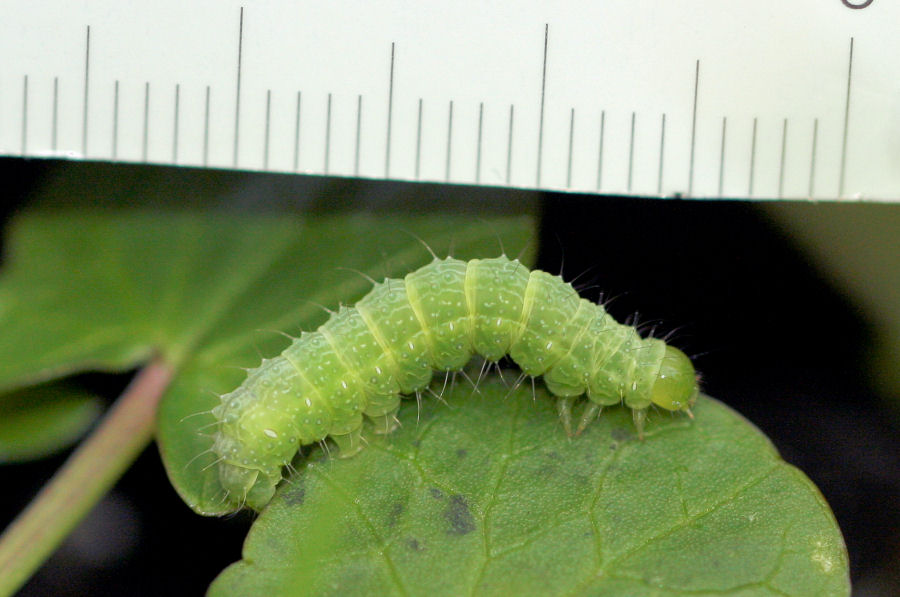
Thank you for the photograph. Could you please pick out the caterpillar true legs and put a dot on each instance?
(437, 318)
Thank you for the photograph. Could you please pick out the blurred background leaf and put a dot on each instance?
(44, 419)
(208, 291)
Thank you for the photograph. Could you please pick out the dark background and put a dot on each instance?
(772, 339)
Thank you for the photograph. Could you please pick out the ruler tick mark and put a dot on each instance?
(84, 115)
(540, 146)
(419, 139)
(631, 152)
(571, 138)
(327, 133)
(146, 121)
(237, 99)
(55, 118)
(722, 157)
(752, 158)
(206, 129)
(297, 134)
(387, 148)
(509, 142)
(25, 115)
(449, 140)
(784, 128)
(115, 130)
(266, 136)
(846, 122)
(600, 149)
(478, 146)
(175, 125)
(694, 128)
(662, 146)
(358, 128)
(812, 159)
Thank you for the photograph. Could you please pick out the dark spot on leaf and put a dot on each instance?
(620, 434)
(349, 576)
(459, 516)
(462, 453)
(436, 493)
(319, 457)
(547, 471)
(296, 493)
(555, 456)
(394, 515)
(414, 545)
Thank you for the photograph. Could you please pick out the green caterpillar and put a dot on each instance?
(364, 358)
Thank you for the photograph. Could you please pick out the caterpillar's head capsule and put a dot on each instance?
(248, 486)
(676, 386)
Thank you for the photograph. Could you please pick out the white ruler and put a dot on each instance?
(745, 98)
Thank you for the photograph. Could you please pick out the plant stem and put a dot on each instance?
(85, 477)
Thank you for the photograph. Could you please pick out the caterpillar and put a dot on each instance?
(360, 362)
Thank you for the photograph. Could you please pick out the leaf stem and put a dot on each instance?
(85, 477)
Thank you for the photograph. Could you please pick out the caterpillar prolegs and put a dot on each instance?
(390, 343)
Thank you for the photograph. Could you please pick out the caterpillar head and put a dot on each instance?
(247, 485)
(676, 386)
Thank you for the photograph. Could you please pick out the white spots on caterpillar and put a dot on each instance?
(549, 345)
(378, 370)
(308, 402)
(344, 384)
(271, 433)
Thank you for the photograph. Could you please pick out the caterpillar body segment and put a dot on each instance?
(360, 362)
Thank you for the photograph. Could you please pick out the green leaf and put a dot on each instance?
(41, 420)
(207, 291)
(485, 495)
